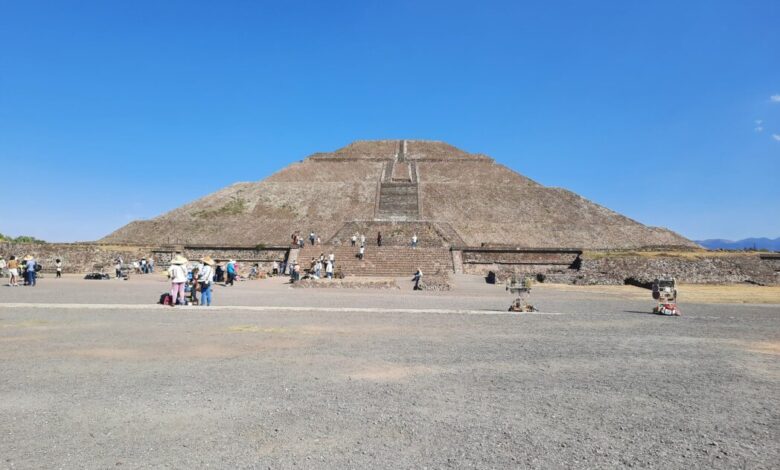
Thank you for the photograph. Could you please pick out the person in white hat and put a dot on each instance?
(206, 279)
(178, 274)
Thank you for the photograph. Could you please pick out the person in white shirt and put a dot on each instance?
(414, 241)
(206, 280)
(178, 274)
(329, 269)
(58, 265)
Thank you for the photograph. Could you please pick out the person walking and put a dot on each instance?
(58, 265)
(231, 272)
(13, 271)
(312, 238)
(417, 277)
(362, 252)
(178, 274)
(379, 239)
(206, 279)
(354, 239)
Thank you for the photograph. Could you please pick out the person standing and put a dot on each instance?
(13, 272)
(58, 265)
(118, 267)
(379, 239)
(151, 264)
(178, 274)
(362, 239)
(332, 259)
(3, 265)
(206, 279)
(417, 277)
(414, 241)
(362, 252)
(312, 238)
(31, 272)
(329, 269)
(354, 239)
(231, 272)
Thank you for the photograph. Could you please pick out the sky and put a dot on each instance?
(665, 111)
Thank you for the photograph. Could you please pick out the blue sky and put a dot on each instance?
(116, 110)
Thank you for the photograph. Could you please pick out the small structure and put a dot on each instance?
(522, 289)
(665, 293)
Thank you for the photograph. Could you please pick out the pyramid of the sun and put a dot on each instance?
(398, 187)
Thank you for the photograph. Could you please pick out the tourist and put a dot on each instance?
(136, 267)
(414, 241)
(118, 267)
(231, 272)
(58, 265)
(329, 269)
(318, 269)
(206, 278)
(379, 239)
(219, 274)
(3, 265)
(178, 275)
(417, 277)
(362, 252)
(296, 272)
(300, 242)
(332, 258)
(144, 269)
(254, 271)
(354, 239)
(194, 285)
(319, 240)
(362, 239)
(275, 268)
(312, 238)
(13, 271)
(31, 268)
(150, 263)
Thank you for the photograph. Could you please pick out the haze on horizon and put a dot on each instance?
(666, 112)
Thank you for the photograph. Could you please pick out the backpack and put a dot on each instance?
(38, 267)
(165, 299)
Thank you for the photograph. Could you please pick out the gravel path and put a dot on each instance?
(600, 385)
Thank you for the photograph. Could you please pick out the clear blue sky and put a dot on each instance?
(116, 110)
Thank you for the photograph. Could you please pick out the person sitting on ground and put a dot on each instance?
(254, 271)
(417, 277)
(58, 265)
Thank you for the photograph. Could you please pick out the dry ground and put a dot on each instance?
(93, 375)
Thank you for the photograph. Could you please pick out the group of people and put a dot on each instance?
(140, 266)
(27, 268)
(318, 265)
(191, 279)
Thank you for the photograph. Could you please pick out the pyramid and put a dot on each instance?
(448, 195)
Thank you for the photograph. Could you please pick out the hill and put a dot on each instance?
(744, 244)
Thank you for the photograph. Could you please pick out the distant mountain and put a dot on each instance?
(747, 243)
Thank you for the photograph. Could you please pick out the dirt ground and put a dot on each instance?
(94, 375)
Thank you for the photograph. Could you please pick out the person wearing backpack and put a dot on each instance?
(32, 270)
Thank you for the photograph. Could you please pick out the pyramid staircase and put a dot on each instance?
(384, 261)
(398, 190)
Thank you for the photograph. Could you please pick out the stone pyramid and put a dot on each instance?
(451, 197)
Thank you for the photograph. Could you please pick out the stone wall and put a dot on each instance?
(76, 257)
(694, 270)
